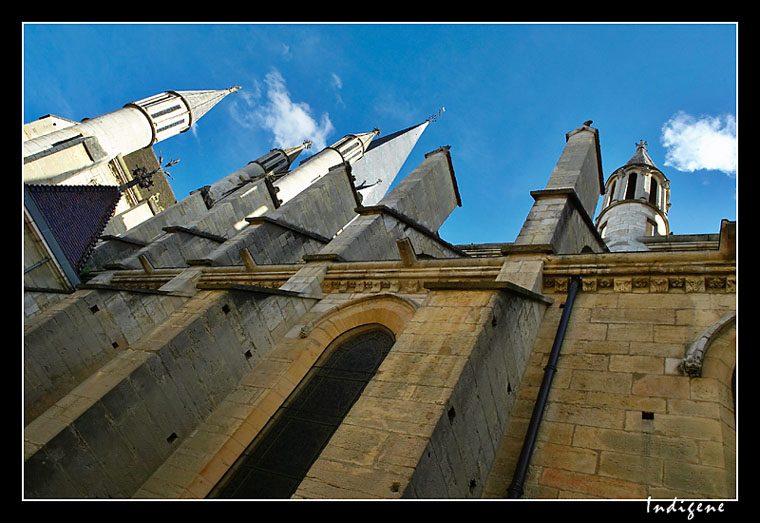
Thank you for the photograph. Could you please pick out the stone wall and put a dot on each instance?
(108, 434)
(622, 420)
(488, 336)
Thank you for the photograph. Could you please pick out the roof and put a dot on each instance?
(76, 215)
(641, 157)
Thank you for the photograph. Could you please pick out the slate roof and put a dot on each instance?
(76, 215)
(641, 157)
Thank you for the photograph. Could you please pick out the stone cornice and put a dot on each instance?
(616, 272)
(655, 272)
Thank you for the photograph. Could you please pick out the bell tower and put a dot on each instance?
(636, 203)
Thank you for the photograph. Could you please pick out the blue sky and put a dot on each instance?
(510, 92)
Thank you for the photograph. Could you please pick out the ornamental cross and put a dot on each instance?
(641, 145)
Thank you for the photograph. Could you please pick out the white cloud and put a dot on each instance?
(290, 122)
(337, 82)
(706, 142)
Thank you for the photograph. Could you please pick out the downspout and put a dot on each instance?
(515, 489)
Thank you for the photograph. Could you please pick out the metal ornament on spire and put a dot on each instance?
(436, 115)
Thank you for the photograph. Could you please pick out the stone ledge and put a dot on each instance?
(486, 285)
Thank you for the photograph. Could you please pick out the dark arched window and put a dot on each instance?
(276, 462)
(612, 192)
(630, 191)
(653, 192)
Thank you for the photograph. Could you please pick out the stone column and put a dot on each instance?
(560, 220)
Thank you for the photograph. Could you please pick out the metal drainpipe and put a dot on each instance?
(515, 489)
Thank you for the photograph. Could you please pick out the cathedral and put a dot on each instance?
(296, 330)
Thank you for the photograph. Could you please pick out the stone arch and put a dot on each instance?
(276, 462)
(693, 363)
(381, 315)
(711, 358)
(388, 310)
(289, 362)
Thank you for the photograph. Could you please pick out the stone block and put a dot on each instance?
(592, 485)
(637, 364)
(631, 467)
(710, 482)
(594, 416)
(661, 386)
(564, 457)
(592, 380)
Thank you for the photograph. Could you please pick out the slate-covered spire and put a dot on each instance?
(382, 161)
(276, 163)
(641, 156)
(200, 102)
(135, 126)
(293, 152)
(174, 112)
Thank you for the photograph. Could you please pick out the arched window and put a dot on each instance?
(612, 192)
(653, 192)
(277, 460)
(630, 191)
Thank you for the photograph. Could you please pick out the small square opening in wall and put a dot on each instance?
(172, 437)
(248, 354)
(226, 308)
(94, 309)
(647, 415)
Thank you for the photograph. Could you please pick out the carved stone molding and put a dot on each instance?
(645, 283)
(372, 286)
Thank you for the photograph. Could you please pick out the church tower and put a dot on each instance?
(70, 152)
(636, 203)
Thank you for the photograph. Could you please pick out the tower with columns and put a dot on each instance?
(636, 203)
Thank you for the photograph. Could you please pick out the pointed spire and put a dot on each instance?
(383, 160)
(366, 138)
(201, 102)
(641, 156)
(293, 152)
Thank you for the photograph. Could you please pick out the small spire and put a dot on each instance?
(641, 156)
(201, 102)
(293, 152)
(366, 138)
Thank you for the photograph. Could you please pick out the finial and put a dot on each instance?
(436, 115)
(307, 143)
(234, 89)
(588, 122)
(641, 145)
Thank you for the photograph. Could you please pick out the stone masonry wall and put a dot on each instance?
(622, 421)
(464, 444)
(427, 423)
(106, 436)
(67, 342)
